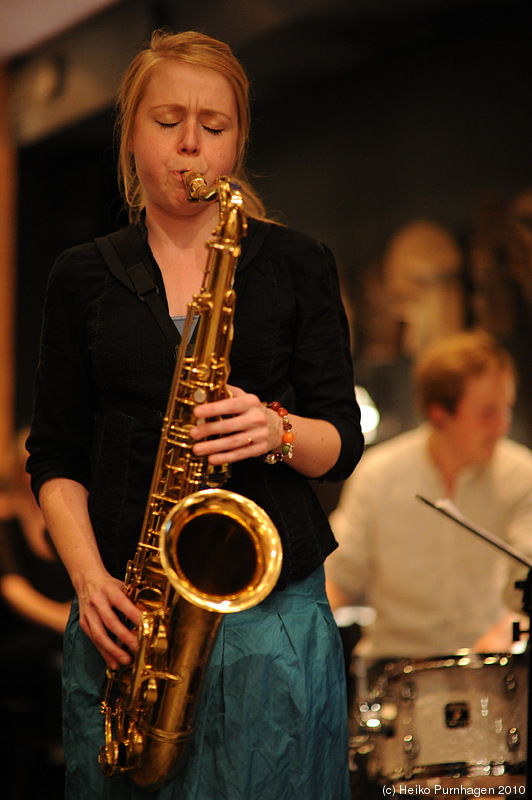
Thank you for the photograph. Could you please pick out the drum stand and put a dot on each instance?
(526, 586)
(448, 509)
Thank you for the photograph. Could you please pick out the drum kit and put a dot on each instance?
(449, 725)
(459, 720)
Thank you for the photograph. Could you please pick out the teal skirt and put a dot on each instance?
(271, 720)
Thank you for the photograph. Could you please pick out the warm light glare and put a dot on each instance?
(369, 415)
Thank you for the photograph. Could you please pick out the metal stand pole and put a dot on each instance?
(526, 586)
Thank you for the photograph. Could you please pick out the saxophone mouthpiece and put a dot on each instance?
(196, 187)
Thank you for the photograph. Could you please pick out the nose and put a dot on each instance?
(189, 141)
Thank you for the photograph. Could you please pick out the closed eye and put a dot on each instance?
(213, 131)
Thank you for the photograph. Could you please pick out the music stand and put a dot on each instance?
(449, 510)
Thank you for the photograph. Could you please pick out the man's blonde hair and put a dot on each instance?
(442, 369)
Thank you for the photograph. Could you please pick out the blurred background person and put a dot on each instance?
(415, 293)
(423, 274)
(35, 595)
(436, 588)
(500, 265)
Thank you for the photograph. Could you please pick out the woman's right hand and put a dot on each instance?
(101, 600)
(101, 596)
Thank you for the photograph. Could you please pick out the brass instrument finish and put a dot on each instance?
(203, 551)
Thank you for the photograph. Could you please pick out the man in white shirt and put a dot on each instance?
(435, 587)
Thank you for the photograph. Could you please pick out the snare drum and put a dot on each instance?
(453, 717)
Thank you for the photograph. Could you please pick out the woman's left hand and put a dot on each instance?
(242, 426)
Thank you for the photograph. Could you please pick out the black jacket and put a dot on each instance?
(103, 356)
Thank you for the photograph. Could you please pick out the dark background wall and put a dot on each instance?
(361, 122)
(420, 125)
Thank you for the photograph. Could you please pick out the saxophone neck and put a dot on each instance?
(229, 194)
(197, 189)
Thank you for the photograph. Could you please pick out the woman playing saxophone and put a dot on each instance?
(271, 721)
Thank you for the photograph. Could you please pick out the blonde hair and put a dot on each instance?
(196, 49)
(442, 369)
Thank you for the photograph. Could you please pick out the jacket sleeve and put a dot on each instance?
(322, 369)
(64, 398)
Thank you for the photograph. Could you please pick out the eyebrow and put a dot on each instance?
(209, 113)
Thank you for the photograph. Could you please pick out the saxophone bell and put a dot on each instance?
(220, 551)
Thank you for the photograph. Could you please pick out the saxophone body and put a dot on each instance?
(202, 552)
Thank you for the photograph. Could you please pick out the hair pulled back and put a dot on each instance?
(196, 49)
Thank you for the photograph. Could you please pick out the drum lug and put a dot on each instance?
(368, 717)
(410, 747)
(513, 738)
(510, 684)
(408, 691)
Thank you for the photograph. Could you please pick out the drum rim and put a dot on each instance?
(458, 769)
(468, 659)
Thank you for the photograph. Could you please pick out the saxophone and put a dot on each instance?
(203, 551)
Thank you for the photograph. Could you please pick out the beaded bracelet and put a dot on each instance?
(287, 448)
